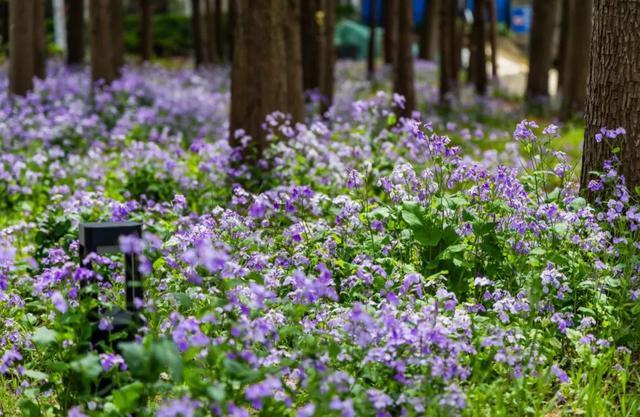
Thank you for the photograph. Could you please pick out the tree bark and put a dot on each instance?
(4, 21)
(404, 72)
(75, 32)
(117, 35)
(371, 47)
(219, 32)
(574, 88)
(540, 49)
(309, 32)
(21, 65)
(390, 17)
(429, 30)
(101, 41)
(39, 40)
(146, 30)
(563, 62)
(328, 62)
(212, 42)
(448, 68)
(478, 44)
(259, 83)
(231, 23)
(293, 47)
(613, 88)
(196, 33)
(493, 37)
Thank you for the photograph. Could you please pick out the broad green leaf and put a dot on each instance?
(43, 336)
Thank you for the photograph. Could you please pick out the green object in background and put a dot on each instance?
(352, 39)
(171, 34)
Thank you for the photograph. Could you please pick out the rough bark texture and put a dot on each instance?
(493, 37)
(293, 46)
(540, 49)
(196, 33)
(448, 71)
(116, 21)
(21, 68)
(429, 30)
(371, 47)
(403, 82)
(146, 30)
(75, 32)
(101, 41)
(574, 87)
(39, 39)
(478, 44)
(562, 60)
(390, 17)
(613, 89)
(259, 73)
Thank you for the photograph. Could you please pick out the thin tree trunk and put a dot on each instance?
(231, 23)
(390, 17)
(429, 30)
(448, 72)
(574, 87)
(212, 42)
(196, 33)
(371, 47)
(293, 47)
(328, 62)
(116, 19)
(219, 31)
(459, 29)
(478, 44)
(39, 40)
(310, 47)
(101, 41)
(4, 21)
(565, 22)
(613, 88)
(404, 72)
(493, 37)
(75, 32)
(259, 73)
(146, 30)
(21, 66)
(540, 49)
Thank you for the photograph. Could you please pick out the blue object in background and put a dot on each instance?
(521, 19)
(502, 11)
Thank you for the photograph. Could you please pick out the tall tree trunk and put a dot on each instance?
(309, 33)
(21, 66)
(563, 60)
(493, 37)
(613, 88)
(231, 23)
(196, 33)
(146, 30)
(212, 42)
(371, 47)
(39, 39)
(293, 47)
(101, 41)
(116, 18)
(478, 45)
(75, 32)
(259, 49)
(540, 49)
(328, 62)
(459, 29)
(390, 17)
(403, 82)
(448, 68)
(429, 30)
(4, 21)
(219, 31)
(574, 87)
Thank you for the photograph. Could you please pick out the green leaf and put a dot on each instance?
(411, 218)
(29, 409)
(37, 375)
(44, 336)
(88, 367)
(135, 356)
(216, 392)
(167, 354)
(126, 398)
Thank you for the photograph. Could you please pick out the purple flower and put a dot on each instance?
(184, 407)
(76, 412)
(559, 373)
(59, 302)
(109, 360)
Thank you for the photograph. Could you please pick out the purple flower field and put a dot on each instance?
(442, 265)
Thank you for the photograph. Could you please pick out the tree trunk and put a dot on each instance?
(196, 33)
(613, 88)
(574, 88)
(310, 46)
(448, 71)
(390, 17)
(39, 40)
(328, 62)
(429, 30)
(231, 23)
(478, 44)
(101, 41)
(146, 30)
(212, 42)
(259, 73)
(75, 32)
(371, 47)
(293, 47)
(493, 37)
(540, 49)
(403, 82)
(563, 60)
(21, 66)
(219, 32)
(116, 19)
(459, 28)
(4, 21)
